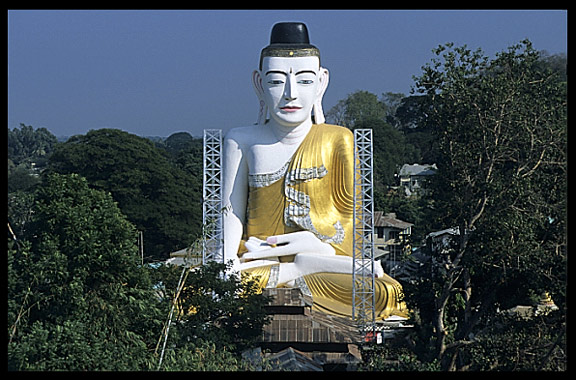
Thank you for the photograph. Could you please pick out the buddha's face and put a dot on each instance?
(290, 86)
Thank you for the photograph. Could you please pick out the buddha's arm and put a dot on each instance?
(292, 244)
(234, 196)
(305, 264)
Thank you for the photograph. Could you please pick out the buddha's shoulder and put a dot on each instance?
(244, 130)
(332, 128)
(245, 134)
(336, 131)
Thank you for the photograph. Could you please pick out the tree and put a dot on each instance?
(186, 152)
(28, 152)
(411, 118)
(500, 125)
(21, 178)
(362, 109)
(224, 312)
(161, 199)
(392, 101)
(389, 148)
(26, 145)
(78, 298)
(358, 106)
(177, 142)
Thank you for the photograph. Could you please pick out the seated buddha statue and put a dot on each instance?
(288, 185)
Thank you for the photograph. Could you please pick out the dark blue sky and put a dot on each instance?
(160, 72)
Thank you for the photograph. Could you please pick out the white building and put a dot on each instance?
(414, 177)
(391, 239)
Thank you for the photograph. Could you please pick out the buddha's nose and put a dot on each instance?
(290, 92)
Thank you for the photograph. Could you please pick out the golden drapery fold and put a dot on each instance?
(314, 191)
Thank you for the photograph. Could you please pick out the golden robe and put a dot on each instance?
(314, 191)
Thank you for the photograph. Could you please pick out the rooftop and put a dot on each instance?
(389, 220)
(417, 169)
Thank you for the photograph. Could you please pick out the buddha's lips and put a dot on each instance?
(290, 109)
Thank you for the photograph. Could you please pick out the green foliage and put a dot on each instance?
(26, 145)
(500, 127)
(417, 209)
(394, 357)
(76, 346)
(512, 344)
(363, 109)
(186, 152)
(20, 204)
(28, 152)
(21, 178)
(153, 193)
(78, 298)
(390, 150)
(412, 118)
(203, 356)
(359, 106)
(218, 317)
(225, 310)
(178, 142)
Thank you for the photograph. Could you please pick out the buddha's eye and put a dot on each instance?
(275, 82)
(305, 81)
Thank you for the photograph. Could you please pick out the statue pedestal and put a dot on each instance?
(301, 338)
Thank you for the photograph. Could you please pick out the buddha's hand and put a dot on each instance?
(292, 244)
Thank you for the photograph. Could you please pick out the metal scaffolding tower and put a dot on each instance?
(212, 247)
(212, 236)
(363, 306)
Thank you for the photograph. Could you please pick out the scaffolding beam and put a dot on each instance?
(212, 234)
(363, 298)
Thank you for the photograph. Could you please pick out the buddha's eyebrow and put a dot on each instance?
(306, 71)
(284, 73)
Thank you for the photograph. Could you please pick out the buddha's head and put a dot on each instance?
(290, 82)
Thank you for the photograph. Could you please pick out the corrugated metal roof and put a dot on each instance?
(417, 169)
(290, 359)
(306, 325)
(389, 220)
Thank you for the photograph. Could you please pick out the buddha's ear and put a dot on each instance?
(257, 84)
(323, 79)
